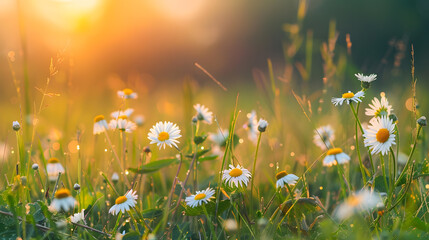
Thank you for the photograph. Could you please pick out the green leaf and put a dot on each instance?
(302, 206)
(208, 158)
(199, 153)
(154, 166)
(380, 186)
(200, 139)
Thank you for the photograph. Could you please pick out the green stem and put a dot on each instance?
(117, 224)
(253, 172)
(136, 226)
(383, 169)
(409, 157)
(362, 168)
(343, 187)
(213, 233)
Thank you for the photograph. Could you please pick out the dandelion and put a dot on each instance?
(348, 97)
(123, 124)
(379, 135)
(362, 201)
(164, 133)
(368, 79)
(335, 156)
(379, 108)
(200, 197)
(262, 125)
(283, 178)
(325, 138)
(203, 113)
(77, 217)
(127, 113)
(237, 176)
(54, 168)
(252, 126)
(63, 200)
(124, 203)
(100, 124)
(127, 94)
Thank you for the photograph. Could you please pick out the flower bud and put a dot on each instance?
(76, 187)
(422, 121)
(115, 177)
(16, 126)
(35, 167)
(393, 117)
(262, 125)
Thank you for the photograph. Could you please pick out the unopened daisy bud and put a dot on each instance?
(147, 149)
(16, 126)
(262, 125)
(422, 121)
(393, 117)
(76, 187)
(35, 167)
(194, 120)
(115, 177)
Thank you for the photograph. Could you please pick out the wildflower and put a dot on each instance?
(220, 137)
(203, 113)
(16, 126)
(100, 125)
(362, 201)
(124, 203)
(127, 94)
(53, 168)
(252, 126)
(77, 217)
(127, 113)
(237, 176)
(323, 137)
(200, 197)
(35, 167)
(123, 124)
(283, 178)
(379, 108)
(335, 156)
(164, 133)
(422, 121)
(139, 120)
(262, 125)
(368, 79)
(379, 136)
(348, 97)
(63, 200)
(76, 187)
(115, 177)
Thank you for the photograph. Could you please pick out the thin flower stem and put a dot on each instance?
(213, 233)
(253, 172)
(136, 226)
(56, 186)
(116, 156)
(409, 157)
(341, 175)
(117, 223)
(362, 168)
(383, 170)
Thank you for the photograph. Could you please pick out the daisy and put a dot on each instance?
(252, 126)
(262, 125)
(100, 125)
(220, 137)
(335, 156)
(325, 138)
(164, 133)
(237, 176)
(379, 108)
(362, 201)
(127, 93)
(200, 197)
(63, 200)
(139, 120)
(123, 124)
(379, 136)
(367, 79)
(203, 113)
(348, 97)
(124, 203)
(53, 168)
(127, 113)
(77, 217)
(283, 178)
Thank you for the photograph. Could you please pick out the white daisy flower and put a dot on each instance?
(77, 217)
(237, 176)
(220, 137)
(283, 178)
(200, 197)
(127, 93)
(127, 113)
(164, 133)
(53, 168)
(124, 203)
(348, 97)
(367, 79)
(379, 108)
(63, 200)
(100, 125)
(252, 126)
(203, 113)
(335, 156)
(123, 124)
(379, 136)
(325, 138)
(362, 201)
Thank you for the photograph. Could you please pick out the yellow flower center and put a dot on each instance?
(199, 196)
(98, 118)
(53, 160)
(163, 136)
(120, 200)
(334, 151)
(62, 193)
(124, 117)
(353, 201)
(281, 174)
(236, 172)
(382, 135)
(348, 95)
(127, 91)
